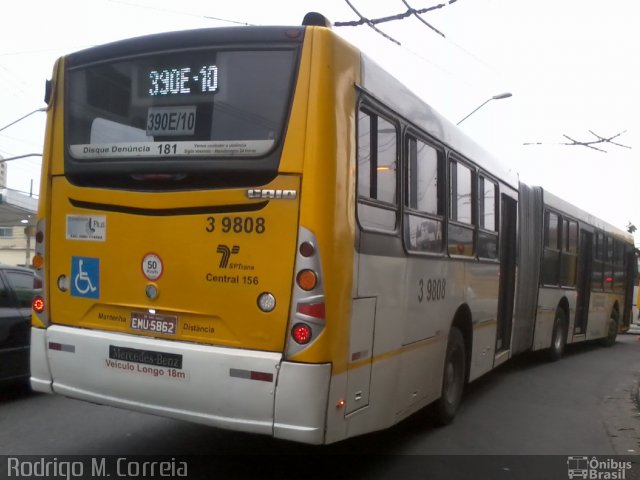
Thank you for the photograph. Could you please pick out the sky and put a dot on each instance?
(572, 66)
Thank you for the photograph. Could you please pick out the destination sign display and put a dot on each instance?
(182, 80)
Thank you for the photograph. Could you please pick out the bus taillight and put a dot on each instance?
(38, 259)
(301, 333)
(307, 249)
(308, 311)
(38, 304)
(307, 279)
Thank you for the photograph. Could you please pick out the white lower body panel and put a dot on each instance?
(223, 387)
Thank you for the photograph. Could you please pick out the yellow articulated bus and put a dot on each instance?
(259, 229)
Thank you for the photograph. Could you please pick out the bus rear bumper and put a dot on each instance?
(222, 387)
(40, 374)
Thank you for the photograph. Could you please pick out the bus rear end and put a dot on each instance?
(168, 231)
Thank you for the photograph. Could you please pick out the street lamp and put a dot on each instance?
(43, 109)
(495, 97)
(26, 155)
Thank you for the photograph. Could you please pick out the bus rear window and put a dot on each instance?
(179, 106)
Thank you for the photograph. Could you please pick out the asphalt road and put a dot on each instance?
(581, 405)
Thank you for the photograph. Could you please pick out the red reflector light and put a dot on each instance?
(55, 346)
(261, 376)
(315, 310)
(38, 304)
(301, 333)
(39, 237)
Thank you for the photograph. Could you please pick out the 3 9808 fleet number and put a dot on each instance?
(236, 225)
(432, 289)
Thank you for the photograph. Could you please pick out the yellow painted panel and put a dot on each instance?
(213, 299)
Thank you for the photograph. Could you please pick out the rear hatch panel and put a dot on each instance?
(181, 266)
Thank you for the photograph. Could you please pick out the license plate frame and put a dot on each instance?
(154, 323)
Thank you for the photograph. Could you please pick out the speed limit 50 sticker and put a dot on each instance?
(152, 266)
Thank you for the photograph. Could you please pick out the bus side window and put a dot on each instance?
(487, 218)
(608, 263)
(425, 206)
(461, 228)
(598, 257)
(618, 267)
(377, 172)
(551, 255)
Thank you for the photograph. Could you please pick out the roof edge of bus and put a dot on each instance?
(376, 81)
(180, 39)
(578, 213)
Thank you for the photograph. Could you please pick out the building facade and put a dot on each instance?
(17, 223)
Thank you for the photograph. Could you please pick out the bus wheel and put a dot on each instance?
(612, 331)
(559, 338)
(453, 377)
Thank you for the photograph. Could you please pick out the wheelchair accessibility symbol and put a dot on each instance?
(85, 274)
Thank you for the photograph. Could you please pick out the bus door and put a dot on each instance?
(630, 279)
(506, 291)
(585, 258)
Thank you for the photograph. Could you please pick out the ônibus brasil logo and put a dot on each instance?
(595, 469)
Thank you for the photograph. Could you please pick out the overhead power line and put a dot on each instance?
(370, 23)
(399, 16)
(417, 15)
(588, 143)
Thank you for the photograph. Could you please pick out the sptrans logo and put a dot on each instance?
(595, 469)
(226, 253)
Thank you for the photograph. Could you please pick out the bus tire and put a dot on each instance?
(612, 331)
(559, 338)
(453, 378)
